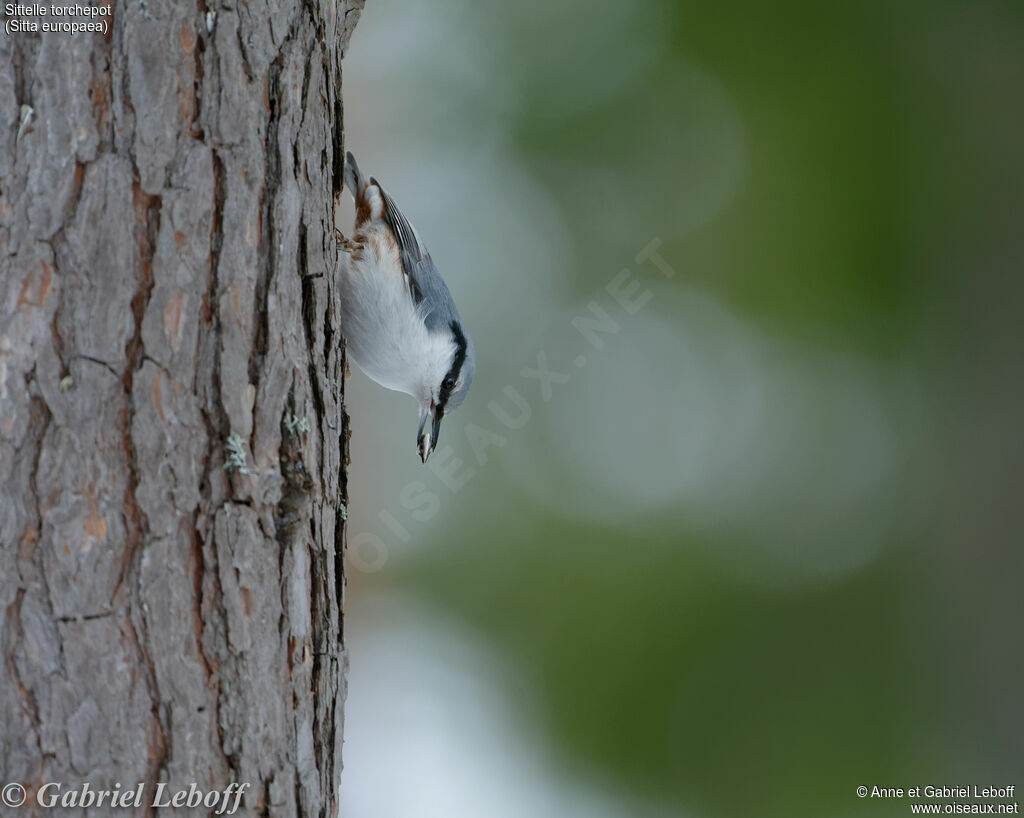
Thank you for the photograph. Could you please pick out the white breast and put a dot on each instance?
(385, 333)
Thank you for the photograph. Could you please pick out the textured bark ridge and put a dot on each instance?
(172, 432)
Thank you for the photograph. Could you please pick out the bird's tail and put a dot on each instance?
(354, 180)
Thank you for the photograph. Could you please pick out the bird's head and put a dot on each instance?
(449, 392)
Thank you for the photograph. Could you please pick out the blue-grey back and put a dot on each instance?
(428, 290)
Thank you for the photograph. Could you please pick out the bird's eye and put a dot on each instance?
(448, 383)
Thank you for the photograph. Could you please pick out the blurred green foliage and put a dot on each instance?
(661, 668)
(846, 176)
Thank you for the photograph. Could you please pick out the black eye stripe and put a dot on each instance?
(453, 374)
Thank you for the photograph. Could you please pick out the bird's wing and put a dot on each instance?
(410, 250)
(426, 287)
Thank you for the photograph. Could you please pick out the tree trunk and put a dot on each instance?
(172, 434)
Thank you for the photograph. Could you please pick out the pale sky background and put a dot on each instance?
(728, 426)
(427, 732)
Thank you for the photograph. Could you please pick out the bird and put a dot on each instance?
(397, 315)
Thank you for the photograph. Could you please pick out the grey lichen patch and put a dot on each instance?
(294, 423)
(235, 455)
(25, 119)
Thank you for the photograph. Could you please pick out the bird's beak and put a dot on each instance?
(426, 436)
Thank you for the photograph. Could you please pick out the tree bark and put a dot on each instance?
(173, 439)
